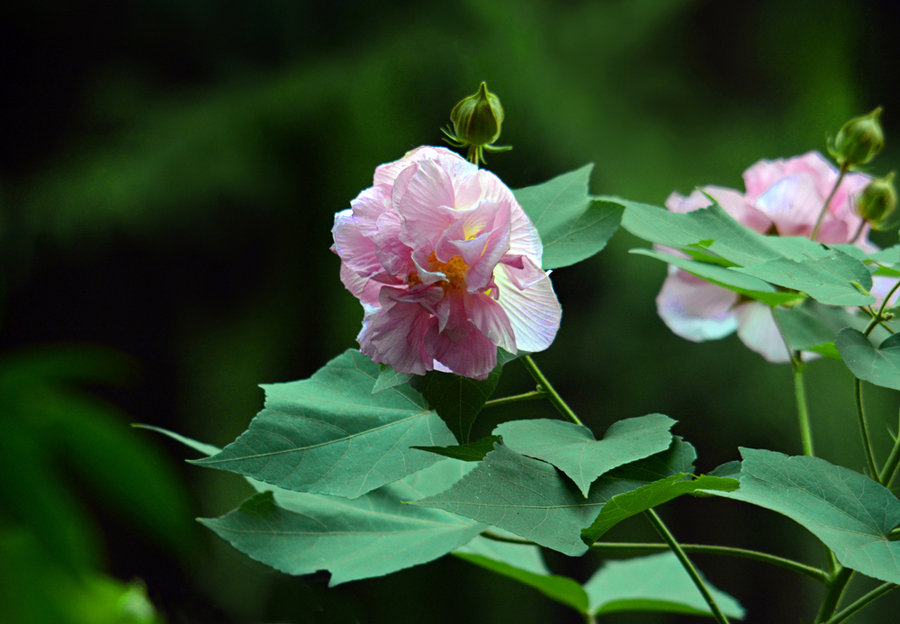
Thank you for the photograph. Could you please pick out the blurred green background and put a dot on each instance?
(169, 173)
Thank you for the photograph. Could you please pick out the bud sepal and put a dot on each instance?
(477, 121)
(858, 140)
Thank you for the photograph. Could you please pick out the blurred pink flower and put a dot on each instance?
(446, 265)
(783, 197)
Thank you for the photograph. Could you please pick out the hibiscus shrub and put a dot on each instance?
(367, 468)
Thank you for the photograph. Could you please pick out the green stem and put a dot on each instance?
(879, 317)
(797, 367)
(834, 589)
(516, 398)
(815, 232)
(728, 551)
(890, 466)
(669, 539)
(861, 602)
(802, 408)
(814, 573)
(589, 618)
(864, 431)
(862, 224)
(547, 388)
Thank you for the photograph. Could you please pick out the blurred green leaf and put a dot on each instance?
(852, 514)
(39, 497)
(879, 366)
(752, 287)
(652, 583)
(371, 535)
(711, 228)
(828, 275)
(122, 469)
(574, 450)
(35, 588)
(458, 400)
(825, 275)
(573, 227)
(531, 499)
(68, 433)
(331, 434)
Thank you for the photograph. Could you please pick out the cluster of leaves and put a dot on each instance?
(362, 472)
(353, 478)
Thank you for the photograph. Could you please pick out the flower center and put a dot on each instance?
(455, 269)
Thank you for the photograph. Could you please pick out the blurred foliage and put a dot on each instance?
(168, 178)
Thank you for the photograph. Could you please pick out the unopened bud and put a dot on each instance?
(878, 200)
(858, 140)
(477, 121)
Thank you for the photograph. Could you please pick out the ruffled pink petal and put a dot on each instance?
(450, 161)
(695, 309)
(363, 288)
(395, 334)
(425, 204)
(469, 224)
(369, 206)
(485, 252)
(793, 204)
(835, 231)
(394, 255)
(355, 249)
(466, 352)
(526, 295)
(757, 330)
(489, 317)
(762, 175)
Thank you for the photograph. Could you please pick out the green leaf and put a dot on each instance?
(330, 434)
(889, 257)
(852, 514)
(827, 275)
(523, 563)
(652, 583)
(572, 225)
(730, 239)
(574, 450)
(473, 451)
(458, 400)
(623, 506)
(732, 280)
(200, 447)
(879, 366)
(372, 535)
(813, 326)
(531, 499)
(389, 378)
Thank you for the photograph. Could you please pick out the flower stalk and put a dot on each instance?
(667, 536)
(547, 389)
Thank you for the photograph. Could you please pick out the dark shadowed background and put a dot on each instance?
(169, 171)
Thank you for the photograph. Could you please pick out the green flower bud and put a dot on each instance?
(878, 200)
(858, 140)
(477, 121)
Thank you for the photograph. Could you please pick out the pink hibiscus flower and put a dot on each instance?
(783, 197)
(446, 265)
